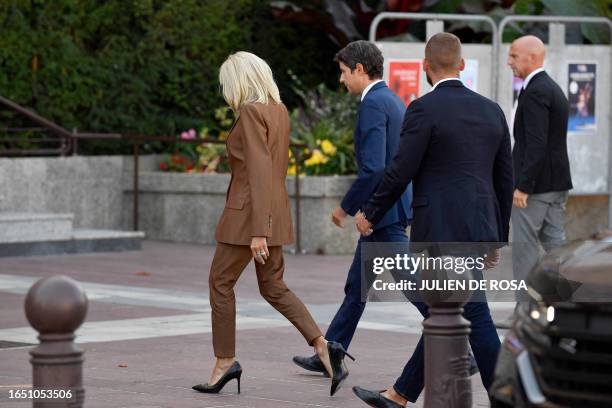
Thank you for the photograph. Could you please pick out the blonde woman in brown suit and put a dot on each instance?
(256, 221)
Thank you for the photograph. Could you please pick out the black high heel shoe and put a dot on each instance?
(235, 371)
(336, 359)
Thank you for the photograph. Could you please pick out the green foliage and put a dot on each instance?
(325, 123)
(593, 33)
(177, 162)
(141, 66)
(331, 150)
(206, 157)
(293, 49)
(150, 66)
(446, 6)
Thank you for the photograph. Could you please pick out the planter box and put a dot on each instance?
(186, 208)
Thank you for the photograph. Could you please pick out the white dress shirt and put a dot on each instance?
(515, 105)
(367, 89)
(531, 75)
(443, 80)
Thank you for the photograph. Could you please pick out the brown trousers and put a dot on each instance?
(227, 266)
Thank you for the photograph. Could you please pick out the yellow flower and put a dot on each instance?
(316, 158)
(328, 148)
(291, 170)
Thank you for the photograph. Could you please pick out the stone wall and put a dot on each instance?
(186, 208)
(90, 187)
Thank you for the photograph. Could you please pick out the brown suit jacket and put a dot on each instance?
(257, 203)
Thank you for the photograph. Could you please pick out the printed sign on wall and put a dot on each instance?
(405, 79)
(581, 95)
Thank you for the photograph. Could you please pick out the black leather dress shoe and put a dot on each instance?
(375, 398)
(312, 363)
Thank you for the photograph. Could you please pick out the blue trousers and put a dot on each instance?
(484, 343)
(344, 324)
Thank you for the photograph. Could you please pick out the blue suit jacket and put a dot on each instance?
(377, 134)
(455, 148)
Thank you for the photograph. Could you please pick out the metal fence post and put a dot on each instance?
(298, 216)
(136, 186)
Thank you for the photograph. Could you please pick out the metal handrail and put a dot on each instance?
(43, 122)
(22, 129)
(450, 17)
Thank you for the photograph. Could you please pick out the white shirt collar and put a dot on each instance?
(367, 89)
(528, 78)
(443, 80)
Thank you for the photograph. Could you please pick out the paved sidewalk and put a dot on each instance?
(147, 335)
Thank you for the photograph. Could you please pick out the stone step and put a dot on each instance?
(78, 241)
(28, 227)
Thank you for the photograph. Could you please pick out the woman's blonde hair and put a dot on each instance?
(246, 78)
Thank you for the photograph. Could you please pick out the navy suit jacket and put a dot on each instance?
(455, 148)
(377, 133)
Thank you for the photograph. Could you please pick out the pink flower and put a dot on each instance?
(188, 135)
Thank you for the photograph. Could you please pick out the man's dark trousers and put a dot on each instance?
(345, 322)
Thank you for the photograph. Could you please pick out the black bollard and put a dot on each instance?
(56, 307)
(446, 331)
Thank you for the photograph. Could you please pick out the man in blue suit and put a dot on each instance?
(377, 131)
(455, 149)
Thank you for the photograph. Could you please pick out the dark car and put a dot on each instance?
(558, 352)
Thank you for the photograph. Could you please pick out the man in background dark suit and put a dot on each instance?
(376, 138)
(455, 148)
(541, 165)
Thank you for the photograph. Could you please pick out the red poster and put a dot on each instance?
(405, 79)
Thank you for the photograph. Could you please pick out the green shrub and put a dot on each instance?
(324, 122)
(141, 66)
